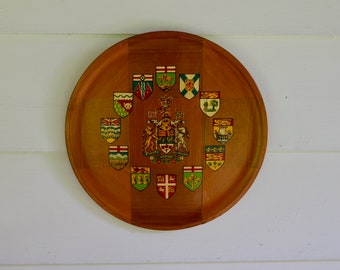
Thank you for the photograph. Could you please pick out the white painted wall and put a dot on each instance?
(289, 219)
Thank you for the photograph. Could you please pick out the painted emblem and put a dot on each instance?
(165, 77)
(189, 85)
(152, 114)
(214, 156)
(122, 103)
(140, 177)
(110, 129)
(142, 85)
(166, 185)
(165, 139)
(192, 177)
(118, 156)
(210, 102)
(223, 129)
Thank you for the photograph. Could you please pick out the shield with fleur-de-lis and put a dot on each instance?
(110, 129)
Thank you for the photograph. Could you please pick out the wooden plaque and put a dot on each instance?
(166, 130)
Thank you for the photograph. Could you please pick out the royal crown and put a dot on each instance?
(166, 101)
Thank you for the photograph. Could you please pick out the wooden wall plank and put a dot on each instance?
(290, 213)
(289, 219)
(219, 17)
(310, 265)
(301, 99)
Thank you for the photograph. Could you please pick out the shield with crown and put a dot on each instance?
(165, 137)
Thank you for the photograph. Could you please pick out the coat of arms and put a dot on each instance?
(142, 85)
(165, 139)
(214, 156)
(189, 85)
(118, 156)
(165, 77)
(192, 177)
(110, 129)
(210, 102)
(223, 129)
(140, 177)
(122, 103)
(166, 185)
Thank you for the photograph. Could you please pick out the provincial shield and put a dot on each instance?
(192, 177)
(142, 85)
(110, 129)
(223, 129)
(118, 156)
(122, 103)
(165, 77)
(214, 156)
(210, 102)
(166, 185)
(140, 177)
(189, 85)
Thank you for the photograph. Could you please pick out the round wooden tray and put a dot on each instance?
(166, 130)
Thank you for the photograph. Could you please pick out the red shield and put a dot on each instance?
(142, 85)
(166, 185)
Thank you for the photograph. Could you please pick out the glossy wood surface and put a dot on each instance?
(112, 71)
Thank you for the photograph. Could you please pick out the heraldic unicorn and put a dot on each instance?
(165, 139)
